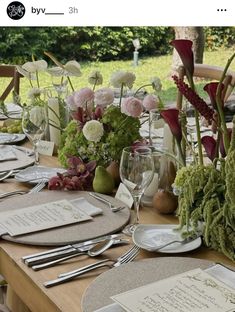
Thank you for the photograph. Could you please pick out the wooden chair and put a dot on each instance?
(9, 71)
(212, 73)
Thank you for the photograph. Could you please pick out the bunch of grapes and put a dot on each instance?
(14, 127)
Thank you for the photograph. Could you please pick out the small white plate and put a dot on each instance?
(36, 173)
(150, 236)
(8, 138)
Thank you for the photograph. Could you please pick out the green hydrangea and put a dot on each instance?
(120, 131)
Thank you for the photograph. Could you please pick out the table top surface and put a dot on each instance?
(28, 285)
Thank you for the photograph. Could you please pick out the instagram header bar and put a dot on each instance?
(117, 13)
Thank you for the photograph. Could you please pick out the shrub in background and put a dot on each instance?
(17, 44)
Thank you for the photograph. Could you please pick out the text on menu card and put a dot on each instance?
(191, 291)
(40, 217)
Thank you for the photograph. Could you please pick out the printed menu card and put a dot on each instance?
(191, 291)
(45, 216)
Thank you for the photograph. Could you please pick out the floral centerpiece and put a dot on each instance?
(206, 192)
(100, 128)
(100, 125)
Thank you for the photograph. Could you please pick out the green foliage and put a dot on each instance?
(81, 43)
(219, 37)
(109, 148)
(207, 197)
(17, 44)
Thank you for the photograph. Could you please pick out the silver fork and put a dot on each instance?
(107, 202)
(38, 187)
(127, 257)
(181, 242)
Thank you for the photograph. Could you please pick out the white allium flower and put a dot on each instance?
(120, 78)
(156, 83)
(93, 130)
(95, 78)
(104, 97)
(34, 93)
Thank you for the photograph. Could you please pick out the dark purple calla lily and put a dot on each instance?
(184, 48)
(221, 146)
(171, 117)
(209, 144)
(211, 89)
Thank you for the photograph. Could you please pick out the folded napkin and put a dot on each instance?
(7, 153)
(83, 205)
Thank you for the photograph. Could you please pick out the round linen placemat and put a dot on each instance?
(106, 223)
(133, 275)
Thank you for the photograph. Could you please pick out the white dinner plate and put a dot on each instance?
(150, 236)
(8, 138)
(36, 173)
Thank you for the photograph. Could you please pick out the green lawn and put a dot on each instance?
(148, 67)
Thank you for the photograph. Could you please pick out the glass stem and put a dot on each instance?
(36, 154)
(136, 199)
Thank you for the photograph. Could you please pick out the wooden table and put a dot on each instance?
(26, 286)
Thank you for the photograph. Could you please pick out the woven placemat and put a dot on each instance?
(133, 275)
(108, 222)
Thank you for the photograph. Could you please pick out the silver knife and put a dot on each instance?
(66, 254)
(63, 249)
(48, 264)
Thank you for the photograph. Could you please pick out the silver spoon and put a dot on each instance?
(97, 250)
(5, 174)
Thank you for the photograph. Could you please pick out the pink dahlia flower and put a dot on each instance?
(150, 102)
(131, 106)
(82, 98)
(104, 97)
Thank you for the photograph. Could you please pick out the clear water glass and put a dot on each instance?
(136, 172)
(156, 128)
(34, 125)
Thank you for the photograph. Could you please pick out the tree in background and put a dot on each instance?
(196, 35)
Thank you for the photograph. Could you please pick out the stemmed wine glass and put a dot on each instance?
(136, 172)
(34, 124)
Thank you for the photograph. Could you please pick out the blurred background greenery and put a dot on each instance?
(108, 49)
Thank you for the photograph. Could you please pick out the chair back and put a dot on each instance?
(9, 71)
(212, 73)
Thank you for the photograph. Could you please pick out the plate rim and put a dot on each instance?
(163, 226)
(19, 137)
